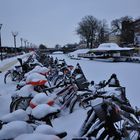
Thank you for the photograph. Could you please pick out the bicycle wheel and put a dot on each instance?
(12, 104)
(19, 77)
(109, 129)
(7, 76)
(20, 103)
(73, 104)
(89, 121)
(11, 76)
(78, 101)
(101, 131)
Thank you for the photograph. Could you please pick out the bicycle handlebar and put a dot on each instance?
(105, 97)
(54, 87)
(123, 105)
(131, 110)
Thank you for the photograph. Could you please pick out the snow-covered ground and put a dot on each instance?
(127, 73)
(75, 53)
(6, 90)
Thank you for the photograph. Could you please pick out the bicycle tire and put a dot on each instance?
(12, 105)
(13, 76)
(6, 76)
(72, 105)
(20, 103)
(89, 121)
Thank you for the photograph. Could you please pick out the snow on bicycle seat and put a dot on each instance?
(38, 69)
(41, 98)
(36, 79)
(43, 110)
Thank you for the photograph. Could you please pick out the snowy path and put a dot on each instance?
(7, 65)
(6, 90)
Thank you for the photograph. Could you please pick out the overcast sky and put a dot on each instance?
(54, 22)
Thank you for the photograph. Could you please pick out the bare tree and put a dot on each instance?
(87, 29)
(103, 32)
(123, 27)
(116, 24)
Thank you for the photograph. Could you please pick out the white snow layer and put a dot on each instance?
(110, 46)
(43, 110)
(45, 129)
(34, 77)
(38, 69)
(19, 115)
(37, 137)
(14, 129)
(40, 98)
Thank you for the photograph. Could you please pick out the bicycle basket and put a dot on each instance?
(82, 82)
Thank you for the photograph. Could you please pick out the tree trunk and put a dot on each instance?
(87, 43)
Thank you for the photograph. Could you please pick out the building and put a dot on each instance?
(136, 25)
(82, 46)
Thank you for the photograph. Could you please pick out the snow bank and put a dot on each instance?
(14, 129)
(58, 52)
(45, 129)
(6, 61)
(37, 137)
(18, 115)
(74, 54)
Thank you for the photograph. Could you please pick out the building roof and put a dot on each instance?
(110, 47)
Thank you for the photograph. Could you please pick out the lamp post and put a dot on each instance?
(21, 40)
(25, 42)
(28, 46)
(0, 43)
(31, 46)
(15, 35)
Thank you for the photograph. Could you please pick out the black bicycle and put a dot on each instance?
(114, 118)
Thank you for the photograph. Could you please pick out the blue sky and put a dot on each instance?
(54, 22)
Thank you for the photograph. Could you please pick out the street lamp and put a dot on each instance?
(15, 35)
(0, 42)
(31, 46)
(25, 42)
(21, 39)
